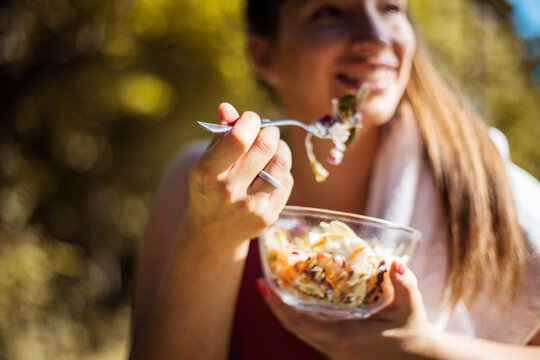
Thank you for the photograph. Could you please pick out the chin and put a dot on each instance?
(377, 113)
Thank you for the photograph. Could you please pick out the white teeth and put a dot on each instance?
(377, 74)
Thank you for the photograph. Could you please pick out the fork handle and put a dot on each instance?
(215, 128)
(223, 128)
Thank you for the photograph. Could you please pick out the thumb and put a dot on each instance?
(404, 282)
(227, 114)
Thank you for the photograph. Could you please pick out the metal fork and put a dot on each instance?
(318, 130)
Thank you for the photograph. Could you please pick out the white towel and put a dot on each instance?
(402, 190)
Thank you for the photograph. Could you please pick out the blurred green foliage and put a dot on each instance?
(477, 50)
(98, 95)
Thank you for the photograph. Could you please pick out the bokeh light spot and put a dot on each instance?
(17, 205)
(81, 150)
(145, 94)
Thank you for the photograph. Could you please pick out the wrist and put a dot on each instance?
(209, 242)
(416, 342)
(230, 229)
(424, 344)
(210, 235)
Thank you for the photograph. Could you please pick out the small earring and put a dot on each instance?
(273, 79)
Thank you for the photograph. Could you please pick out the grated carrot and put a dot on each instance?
(324, 240)
(356, 252)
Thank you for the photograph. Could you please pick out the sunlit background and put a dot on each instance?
(99, 95)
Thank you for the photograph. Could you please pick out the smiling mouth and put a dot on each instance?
(378, 79)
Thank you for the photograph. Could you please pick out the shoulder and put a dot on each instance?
(526, 192)
(172, 191)
(500, 141)
(525, 312)
(525, 189)
(184, 160)
(171, 197)
(168, 210)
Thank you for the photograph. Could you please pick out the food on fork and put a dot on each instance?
(342, 125)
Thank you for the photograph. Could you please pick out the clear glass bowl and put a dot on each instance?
(332, 282)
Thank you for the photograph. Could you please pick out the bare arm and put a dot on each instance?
(163, 229)
(197, 240)
(197, 302)
(449, 346)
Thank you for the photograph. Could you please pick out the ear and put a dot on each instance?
(260, 50)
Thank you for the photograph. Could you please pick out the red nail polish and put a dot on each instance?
(400, 268)
(262, 289)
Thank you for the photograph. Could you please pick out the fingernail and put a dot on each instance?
(262, 288)
(400, 268)
(230, 122)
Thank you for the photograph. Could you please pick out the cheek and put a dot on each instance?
(405, 48)
(381, 108)
(311, 49)
(312, 54)
(304, 68)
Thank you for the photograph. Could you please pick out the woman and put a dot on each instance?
(421, 159)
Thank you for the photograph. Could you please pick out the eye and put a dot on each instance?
(391, 8)
(327, 12)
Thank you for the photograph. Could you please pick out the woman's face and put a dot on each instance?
(328, 48)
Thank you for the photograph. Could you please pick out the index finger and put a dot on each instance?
(230, 147)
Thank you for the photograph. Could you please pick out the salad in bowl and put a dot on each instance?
(334, 263)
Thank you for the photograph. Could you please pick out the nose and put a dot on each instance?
(368, 32)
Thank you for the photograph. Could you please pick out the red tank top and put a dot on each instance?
(257, 334)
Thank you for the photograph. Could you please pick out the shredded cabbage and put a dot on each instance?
(330, 263)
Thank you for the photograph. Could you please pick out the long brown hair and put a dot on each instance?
(486, 242)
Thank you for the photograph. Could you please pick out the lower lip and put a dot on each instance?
(374, 85)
